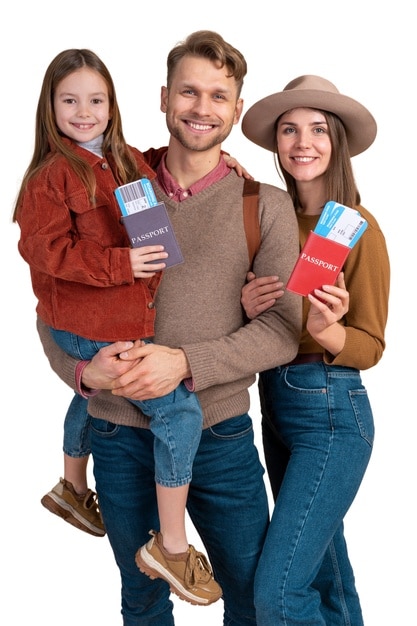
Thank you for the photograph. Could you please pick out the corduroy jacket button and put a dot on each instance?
(151, 305)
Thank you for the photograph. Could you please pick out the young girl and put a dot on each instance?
(317, 422)
(92, 288)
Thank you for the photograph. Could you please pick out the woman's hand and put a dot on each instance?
(141, 260)
(259, 294)
(328, 305)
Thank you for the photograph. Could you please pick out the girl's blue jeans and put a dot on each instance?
(176, 420)
(318, 434)
(227, 503)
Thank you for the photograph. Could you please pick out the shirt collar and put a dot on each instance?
(177, 193)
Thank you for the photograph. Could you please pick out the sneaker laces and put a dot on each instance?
(197, 568)
(91, 501)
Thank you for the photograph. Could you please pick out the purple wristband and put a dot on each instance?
(81, 389)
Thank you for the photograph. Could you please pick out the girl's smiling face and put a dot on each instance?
(81, 105)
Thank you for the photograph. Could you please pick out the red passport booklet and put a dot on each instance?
(319, 263)
(152, 226)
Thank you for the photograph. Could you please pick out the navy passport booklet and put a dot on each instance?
(146, 220)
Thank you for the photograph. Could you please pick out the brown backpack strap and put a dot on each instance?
(251, 217)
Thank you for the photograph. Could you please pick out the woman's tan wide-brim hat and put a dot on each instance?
(314, 92)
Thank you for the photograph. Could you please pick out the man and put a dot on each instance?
(204, 337)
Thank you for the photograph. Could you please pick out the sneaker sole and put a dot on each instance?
(60, 507)
(152, 568)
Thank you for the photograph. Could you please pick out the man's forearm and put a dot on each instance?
(62, 364)
(82, 376)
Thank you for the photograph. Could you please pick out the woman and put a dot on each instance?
(317, 422)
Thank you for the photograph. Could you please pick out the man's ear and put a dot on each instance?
(238, 110)
(164, 99)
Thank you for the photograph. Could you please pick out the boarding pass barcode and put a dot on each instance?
(356, 230)
(136, 196)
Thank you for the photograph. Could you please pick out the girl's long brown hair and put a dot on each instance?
(48, 136)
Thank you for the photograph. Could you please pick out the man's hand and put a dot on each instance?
(156, 371)
(106, 366)
(259, 294)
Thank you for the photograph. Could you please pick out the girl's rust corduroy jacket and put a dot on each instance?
(79, 253)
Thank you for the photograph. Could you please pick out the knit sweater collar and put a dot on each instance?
(172, 189)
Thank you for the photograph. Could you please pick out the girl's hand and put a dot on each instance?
(328, 305)
(235, 165)
(144, 260)
(259, 294)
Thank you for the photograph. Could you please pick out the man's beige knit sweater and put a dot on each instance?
(198, 302)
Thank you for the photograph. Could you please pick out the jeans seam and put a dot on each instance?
(339, 584)
(301, 529)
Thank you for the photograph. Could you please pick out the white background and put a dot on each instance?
(53, 574)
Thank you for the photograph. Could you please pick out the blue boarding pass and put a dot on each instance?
(136, 196)
(341, 224)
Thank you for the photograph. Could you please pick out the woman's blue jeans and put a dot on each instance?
(318, 434)
(176, 420)
(227, 504)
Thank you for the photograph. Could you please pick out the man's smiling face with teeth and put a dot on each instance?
(201, 104)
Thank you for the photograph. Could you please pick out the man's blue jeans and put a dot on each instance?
(318, 434)
(227, 504)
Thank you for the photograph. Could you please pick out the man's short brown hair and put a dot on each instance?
(209, 45)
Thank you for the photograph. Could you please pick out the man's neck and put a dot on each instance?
(189, 166)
